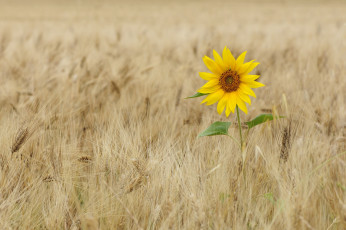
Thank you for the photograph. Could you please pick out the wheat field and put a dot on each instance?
(95, 132)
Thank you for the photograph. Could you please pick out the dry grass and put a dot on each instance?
(95, 133)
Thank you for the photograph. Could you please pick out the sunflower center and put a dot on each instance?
(229, 81)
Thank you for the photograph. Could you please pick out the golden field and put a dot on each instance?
(95, 132)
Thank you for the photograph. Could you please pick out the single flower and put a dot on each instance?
(229, 82)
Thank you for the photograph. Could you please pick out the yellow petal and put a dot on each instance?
(219, 61)
(251, 67)
(240, 61)
(212, 65)
(247, 90)
(222, 103)
(231, 103)
(228, 58)
(210, 87)
(208, 76)
(244, 97)
(228, 111)
(248, 78)
(244, 67)
(247, 67)
(209, 90)
(241, 104)
(211, 83)
(254, 84)
(213, 97)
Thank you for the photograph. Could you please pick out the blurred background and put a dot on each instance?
(95, 132)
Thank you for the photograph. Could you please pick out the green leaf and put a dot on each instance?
(261, 119)
(196, 95)
(217, 128)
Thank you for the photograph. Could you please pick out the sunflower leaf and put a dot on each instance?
(261, 119)
(217, 128)
(196, 95)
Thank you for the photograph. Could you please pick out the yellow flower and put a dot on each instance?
(229, 82)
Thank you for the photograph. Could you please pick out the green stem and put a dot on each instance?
(240, 133)
(241, 146)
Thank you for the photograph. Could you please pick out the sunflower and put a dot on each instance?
(229, 82)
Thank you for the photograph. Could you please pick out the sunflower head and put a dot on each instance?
(229, 82)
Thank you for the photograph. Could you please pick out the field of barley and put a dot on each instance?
(95, 132)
